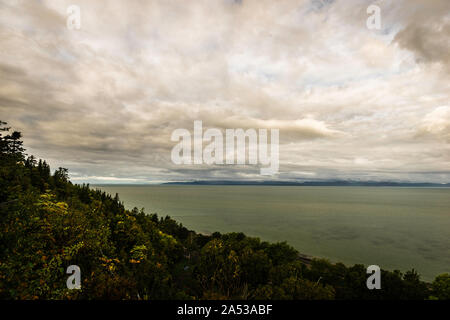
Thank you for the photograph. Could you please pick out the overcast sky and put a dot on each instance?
(350, 103)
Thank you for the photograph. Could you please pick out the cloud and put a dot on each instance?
(349, 102)
(437, 123)
(106, 180)
(427, 30)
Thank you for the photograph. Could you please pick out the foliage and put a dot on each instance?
(441, 287)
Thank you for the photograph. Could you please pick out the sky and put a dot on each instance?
(349, 102)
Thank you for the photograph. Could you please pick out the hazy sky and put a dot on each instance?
(350, 103)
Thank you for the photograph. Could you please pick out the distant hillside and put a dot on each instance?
(344, 183)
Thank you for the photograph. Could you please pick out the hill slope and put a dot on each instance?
(47, 223)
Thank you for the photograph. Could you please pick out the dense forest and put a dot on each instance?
(47, 223)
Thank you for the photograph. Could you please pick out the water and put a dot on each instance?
(395, 228)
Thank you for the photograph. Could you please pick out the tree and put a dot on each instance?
(414, 289)
(62, 175)
(11, 145)
(441, 287)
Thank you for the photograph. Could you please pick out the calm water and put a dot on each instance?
(395, 228)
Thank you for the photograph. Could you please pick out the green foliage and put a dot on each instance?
(47, 224)
(441, 287)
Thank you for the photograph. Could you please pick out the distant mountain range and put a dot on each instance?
(349, 183)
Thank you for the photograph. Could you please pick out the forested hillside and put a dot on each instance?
(47, 223)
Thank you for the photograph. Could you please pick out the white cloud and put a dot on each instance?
(437, 122)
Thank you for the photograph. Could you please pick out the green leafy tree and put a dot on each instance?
(441, 287)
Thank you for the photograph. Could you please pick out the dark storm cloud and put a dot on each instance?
(427, 32)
